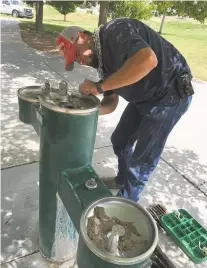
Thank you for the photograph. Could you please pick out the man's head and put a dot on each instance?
(76, 44)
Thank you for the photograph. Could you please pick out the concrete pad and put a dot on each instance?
(36, 261)
(167, 187)
(20, 66)
(203, 188)
(185, 148)
(175, 254)
(20, 142)
(20, 205)
(19, 211)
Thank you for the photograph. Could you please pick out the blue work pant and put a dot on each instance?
(147, 126)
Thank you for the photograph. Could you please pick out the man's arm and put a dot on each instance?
(133, 70)
(109, 104)
(131, 59)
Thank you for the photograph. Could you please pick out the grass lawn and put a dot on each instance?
(187, 35)
(190, 38)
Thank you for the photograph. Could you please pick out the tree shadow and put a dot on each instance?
(50, 27)
(23, 66)
(165, 186)
(20, 207)
(41, 41)
(187, 163)
(19, 212)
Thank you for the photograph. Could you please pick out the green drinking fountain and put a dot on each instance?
(71, 192)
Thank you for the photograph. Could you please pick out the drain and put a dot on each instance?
(157, 211)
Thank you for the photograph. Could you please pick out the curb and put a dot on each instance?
(199, 81)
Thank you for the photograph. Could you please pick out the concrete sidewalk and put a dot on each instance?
(20, 209)
(180, 180)
(24, 66)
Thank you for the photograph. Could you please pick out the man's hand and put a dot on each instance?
(88, 87)
(109, 104)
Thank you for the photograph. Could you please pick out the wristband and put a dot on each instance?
(98, 86)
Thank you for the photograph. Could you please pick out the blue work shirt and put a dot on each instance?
(122, 38)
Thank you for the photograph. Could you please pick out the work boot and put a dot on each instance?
(111, 183)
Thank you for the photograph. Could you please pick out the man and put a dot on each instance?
(136, 63)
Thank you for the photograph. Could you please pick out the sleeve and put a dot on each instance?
(123, 42)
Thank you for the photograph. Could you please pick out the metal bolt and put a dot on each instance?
(91, 184)
(46, 88)
(113, 240)
(76, 103)
(63, 87)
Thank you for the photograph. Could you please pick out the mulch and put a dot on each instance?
(41, 41)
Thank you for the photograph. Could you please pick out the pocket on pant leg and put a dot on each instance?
(183, 105)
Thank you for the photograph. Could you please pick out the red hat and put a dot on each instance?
(67, 45)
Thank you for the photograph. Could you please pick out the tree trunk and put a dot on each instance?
(65, 17)
(162, 23)
(103, 12)
(39, 16)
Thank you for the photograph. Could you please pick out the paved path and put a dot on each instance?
(179, 180)
(23, 66)
(20, 209)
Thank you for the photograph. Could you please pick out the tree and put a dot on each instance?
(163, 8)
(63, 7)
(39, 14)
(103, 12)
(198, 11)
(194, 9)
(180, 8)
(131, 9)
(89, 4)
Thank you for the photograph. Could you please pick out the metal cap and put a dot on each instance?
(70, 104)
(30, 93)
(91, 184)
(60, 99)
